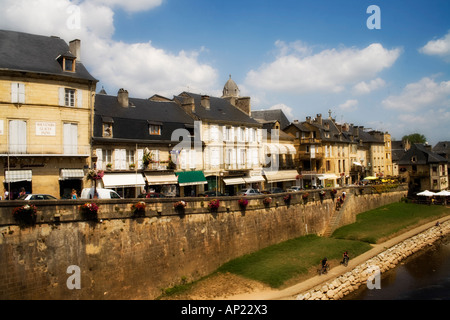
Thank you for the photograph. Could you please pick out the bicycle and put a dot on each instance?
(345, 261)
(323, 269)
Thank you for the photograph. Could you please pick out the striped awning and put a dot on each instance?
(17, 175)
(68, 174)
(118, 180)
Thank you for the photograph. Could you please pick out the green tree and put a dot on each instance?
(415, 138)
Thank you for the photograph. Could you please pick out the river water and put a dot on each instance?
(422, 276)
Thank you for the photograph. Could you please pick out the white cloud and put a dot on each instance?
(439, 47)
(349, 105)
(141, 68)
(296, 70)
(288, 111)
(420, 95)
(364, 87)
(129, 5)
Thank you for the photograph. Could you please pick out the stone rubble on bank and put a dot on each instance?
(388, 259)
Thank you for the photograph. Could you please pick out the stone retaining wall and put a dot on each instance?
(388, 259)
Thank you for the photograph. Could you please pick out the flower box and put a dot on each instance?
(25, 215)
(243, 203)
(89, 211)
(214, 204)
(138, 208)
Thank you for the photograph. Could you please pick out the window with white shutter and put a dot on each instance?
(17, 92)
(70, 139)
(17, 136)
(120, 159)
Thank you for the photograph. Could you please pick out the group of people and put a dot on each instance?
(325, 265)
(340, 200)
(9, 196)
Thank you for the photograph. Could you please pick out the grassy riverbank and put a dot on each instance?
(295, 260)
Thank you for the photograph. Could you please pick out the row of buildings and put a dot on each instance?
(54, 127)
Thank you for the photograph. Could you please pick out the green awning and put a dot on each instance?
(191, 178)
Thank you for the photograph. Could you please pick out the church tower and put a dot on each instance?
(230, 89)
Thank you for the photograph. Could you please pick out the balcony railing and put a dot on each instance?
(45, 150)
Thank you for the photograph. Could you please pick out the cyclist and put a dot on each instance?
(324, 264)
(345, 258)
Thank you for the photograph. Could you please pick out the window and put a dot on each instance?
(70, 138)
(107, 130)
(69, 64)
(17, 92)
(69, 98)
(17, 136)
(155, 130)
(130, 157)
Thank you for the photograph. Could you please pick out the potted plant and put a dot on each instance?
(25, 215)
(243, 203)
(138, 208)
(108, 166)
(89, 210)
(287, 198)
(147, 158)
(179, 206)
(132, 166)
(214, 204)
(267, 201)
(94, 175)
(305, 197)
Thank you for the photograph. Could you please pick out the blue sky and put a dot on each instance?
(306, 57)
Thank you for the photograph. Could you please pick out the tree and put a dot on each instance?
(415, 138)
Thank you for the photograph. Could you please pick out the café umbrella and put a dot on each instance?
(443, 193)
(426, 193)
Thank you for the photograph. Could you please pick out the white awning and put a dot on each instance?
(357, 164)
(162, 179)
(270, 148)
(233, 181)
(117, 180)
(328, 176)
(68, 174)
(281, 175)
(17, 175)
(282, 149)
(291, 148)
(254, 179)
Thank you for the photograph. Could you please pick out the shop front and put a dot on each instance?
(165, 184)
(127, 185)
(191, 183)
(15, 180)
(281, 178)
(70, 179)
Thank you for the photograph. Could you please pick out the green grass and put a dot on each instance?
(379, 224)
(279, 263)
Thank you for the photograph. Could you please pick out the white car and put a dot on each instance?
(34, 196)
(294, 189)
(88, 193)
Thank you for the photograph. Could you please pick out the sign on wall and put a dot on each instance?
(45, 128)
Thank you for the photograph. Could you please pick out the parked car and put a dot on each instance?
(33, 196)
(211, 194)
(273, 190)
(88, 193)
(294, 189)
(248, 192)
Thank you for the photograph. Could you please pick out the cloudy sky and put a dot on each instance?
(386, 68)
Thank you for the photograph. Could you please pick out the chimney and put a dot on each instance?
(308, 119)
(243, 103)
(206, 103)
(295, 121)
(319, 119)
(122, 97)
(188, 105)
(75, 48)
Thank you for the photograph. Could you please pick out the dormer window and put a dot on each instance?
(67, 61)
(107, 127)
(154, 128)
(69, 64)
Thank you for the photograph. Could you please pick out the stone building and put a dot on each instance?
(47, 99)
(423, 169)
(232, 139)
(331, 154)
(135, 142)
